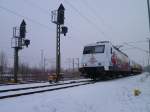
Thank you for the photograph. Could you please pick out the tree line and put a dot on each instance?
(28, 73)
(25, 72)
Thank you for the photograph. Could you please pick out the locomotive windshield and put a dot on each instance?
(94, 49)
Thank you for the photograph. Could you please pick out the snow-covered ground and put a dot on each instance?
(107, 96)
(39, 89)
(5, 87)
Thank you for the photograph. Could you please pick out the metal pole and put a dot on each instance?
(44, 65)
(78, 63)
(148, 13)
(149, 27)
(73, 64)
(16, 64)
(149, 52)
(18, 46)
(42, 56)
(58, 19)
(58, 52)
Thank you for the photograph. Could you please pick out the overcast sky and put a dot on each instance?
(88, 21)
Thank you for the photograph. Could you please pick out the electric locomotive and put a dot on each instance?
(104, 60)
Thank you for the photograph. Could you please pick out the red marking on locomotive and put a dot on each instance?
(114, 59)
(92, 60)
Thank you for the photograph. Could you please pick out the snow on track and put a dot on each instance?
(5, 87)
(108, 96)
(22, 85)
(39, 89)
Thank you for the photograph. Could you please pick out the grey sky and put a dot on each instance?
(88, 21)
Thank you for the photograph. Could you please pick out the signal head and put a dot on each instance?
(26, 42)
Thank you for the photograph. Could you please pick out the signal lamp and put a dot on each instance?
(64, 30)
(26, 42)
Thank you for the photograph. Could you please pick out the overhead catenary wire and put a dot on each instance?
(100, 18)
(136, 47)
(132, 42)
(135, 42)
(33, 4)
(130, 48)
(43, 10)
(27, 18)
(86, 18)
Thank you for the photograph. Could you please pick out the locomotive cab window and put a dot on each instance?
(99, 49)
(111, 50)
(94, 49)
(88, 50)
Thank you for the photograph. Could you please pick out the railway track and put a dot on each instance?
(34, 87)
(8, 84)
(9, 93)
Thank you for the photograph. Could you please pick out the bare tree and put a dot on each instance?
(3, 64)
(23, 71)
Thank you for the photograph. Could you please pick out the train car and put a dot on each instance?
(135, 67)
(103, 60)
(52, 77)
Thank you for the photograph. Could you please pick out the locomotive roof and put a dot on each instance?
(98, 43)
(106, 42)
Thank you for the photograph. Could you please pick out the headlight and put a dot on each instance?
(99, 64)
(84, 64)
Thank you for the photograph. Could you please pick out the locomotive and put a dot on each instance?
(103, 60)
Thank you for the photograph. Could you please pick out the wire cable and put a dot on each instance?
(33, 4)
(136, 47)
(136, 42)
(19, 15)
(45, 11)
(100, 18)
(86, 18)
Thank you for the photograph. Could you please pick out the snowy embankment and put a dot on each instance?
(107, 96)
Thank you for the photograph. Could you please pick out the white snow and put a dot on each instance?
(5, 87)
(38, 89)
(106, 96)
(22, 85)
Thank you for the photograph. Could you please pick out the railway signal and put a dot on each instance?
(60, 14)
(18, 41)
(64, 30)
(58, 19)
(26, 42)
(23, 29)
